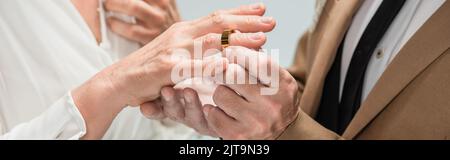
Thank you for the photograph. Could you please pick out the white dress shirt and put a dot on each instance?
(410, 19)
(46, 50)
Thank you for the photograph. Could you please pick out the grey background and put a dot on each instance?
(293, 18)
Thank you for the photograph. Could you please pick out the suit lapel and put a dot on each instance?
(325, 39)
(430, 42)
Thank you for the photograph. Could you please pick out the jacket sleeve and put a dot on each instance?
(306, 128)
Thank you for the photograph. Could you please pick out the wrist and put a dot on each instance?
(99, 104)
(100, 90)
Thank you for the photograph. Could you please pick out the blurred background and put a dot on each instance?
(293, 18)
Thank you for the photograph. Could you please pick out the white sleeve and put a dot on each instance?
(61, 121)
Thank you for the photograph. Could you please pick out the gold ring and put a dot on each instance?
(226, 38)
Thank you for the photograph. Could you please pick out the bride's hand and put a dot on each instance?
(139, 77)
(153, 17)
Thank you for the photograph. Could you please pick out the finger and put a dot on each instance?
(249, 40)
(229, 101)
(136, 8)
(257, 64)
(173, 102)
(193, 68)
(240, 81)
(194, 115)
(133, 32)
(169, 6)
(153, 110)
(218, 120)
(217, 23)
(160, 3)
(173, 11)
(253, 9)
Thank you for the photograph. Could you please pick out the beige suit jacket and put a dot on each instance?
(410, 101)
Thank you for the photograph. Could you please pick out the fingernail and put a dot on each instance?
(267, 20)
(257, 36)
(256, 6)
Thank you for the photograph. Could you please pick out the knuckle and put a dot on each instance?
(248, 38)
(145, 111)
(160, 17)
(148, 113)
(166, 62)
(131, 5)
(217, 18)
(178, 25)
(176, 115)
(147, 69)
(179, 28)
(218, 12)
(209, 39)
(165, 65)
(249, 21)
(164, 4)
(180, 114)
(291, 84)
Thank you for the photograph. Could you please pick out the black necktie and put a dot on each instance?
(337, 116)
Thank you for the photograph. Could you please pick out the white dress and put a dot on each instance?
(46, 50)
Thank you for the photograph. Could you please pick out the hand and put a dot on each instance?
(153, 17)
(243, 111)
(140, 77)
(180, 105)
(155, 60)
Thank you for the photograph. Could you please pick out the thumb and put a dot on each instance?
(153, 110)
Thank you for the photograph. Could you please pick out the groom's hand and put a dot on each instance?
(252, 110)
(180, 105)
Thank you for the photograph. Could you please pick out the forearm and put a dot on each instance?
(306, 128)
(99, 104)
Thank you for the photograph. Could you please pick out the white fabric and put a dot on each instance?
(410, 19)
(46, 49)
